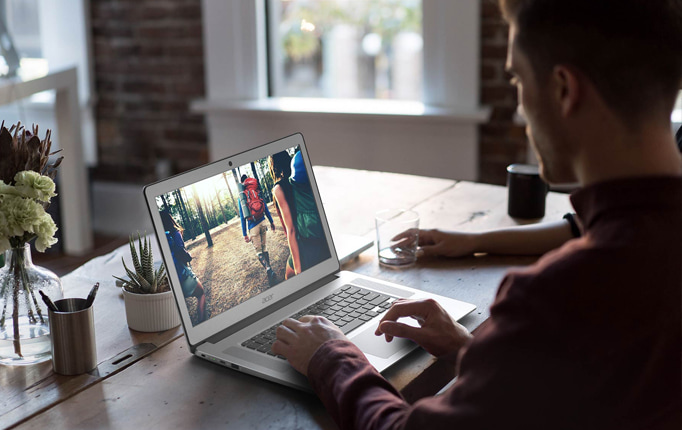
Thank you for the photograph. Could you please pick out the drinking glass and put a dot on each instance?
(397, 236)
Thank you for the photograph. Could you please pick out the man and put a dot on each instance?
(252, 213)
(589, 336)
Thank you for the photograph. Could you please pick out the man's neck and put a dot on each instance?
(650, 151)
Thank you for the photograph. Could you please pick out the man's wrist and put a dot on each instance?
(476, 242)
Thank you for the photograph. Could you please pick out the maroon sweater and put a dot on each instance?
(588, 337)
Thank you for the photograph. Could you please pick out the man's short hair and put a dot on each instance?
(244, 178)
(631, 50)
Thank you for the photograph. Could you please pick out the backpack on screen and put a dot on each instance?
(253, 199)
(308, 222)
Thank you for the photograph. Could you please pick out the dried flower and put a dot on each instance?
(21, 150)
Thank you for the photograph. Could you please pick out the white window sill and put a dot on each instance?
(356, 108)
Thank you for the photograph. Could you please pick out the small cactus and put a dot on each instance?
(143, 280)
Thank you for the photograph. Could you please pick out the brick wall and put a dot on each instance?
(148, 66)
(501, 142)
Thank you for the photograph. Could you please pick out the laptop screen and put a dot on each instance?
(238, 233)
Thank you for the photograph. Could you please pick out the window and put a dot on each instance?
(22, 21)
(346, 48)
(21, 18)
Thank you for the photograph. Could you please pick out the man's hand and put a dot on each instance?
(437, 243)
(439, 334)
(298, 340)
(272, 226)
(247, 239)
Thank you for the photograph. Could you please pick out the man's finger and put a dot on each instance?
(403, 308)
(426, 237)
(402, 235)
(291, 324)
(285, 334)
(315, 319)
(405, 242)
(428, 250)
(409, 234)
(281, 348)
(396, 329)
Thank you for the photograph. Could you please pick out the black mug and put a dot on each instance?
(527, 191)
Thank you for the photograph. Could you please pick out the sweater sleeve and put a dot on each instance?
(354, 393)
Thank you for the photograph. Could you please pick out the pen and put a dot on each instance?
(91, 296)
(51, 306)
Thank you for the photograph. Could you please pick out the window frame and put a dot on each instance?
(236, 61)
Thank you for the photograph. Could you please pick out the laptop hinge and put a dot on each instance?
(269, 310)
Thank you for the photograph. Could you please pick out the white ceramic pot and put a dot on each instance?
(151, 312)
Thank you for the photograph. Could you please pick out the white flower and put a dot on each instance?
(45, 232)
(8, 189)
(21, 212)
(34, 185)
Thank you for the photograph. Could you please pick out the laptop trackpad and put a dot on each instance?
(369, 343)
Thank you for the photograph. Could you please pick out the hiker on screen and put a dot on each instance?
(191, 285)
(252, 213)
(310, 236)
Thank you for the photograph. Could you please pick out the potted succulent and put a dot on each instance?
(148, 299)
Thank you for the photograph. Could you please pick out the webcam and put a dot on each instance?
(230, 163)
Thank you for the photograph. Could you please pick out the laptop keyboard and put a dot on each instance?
(348, 307)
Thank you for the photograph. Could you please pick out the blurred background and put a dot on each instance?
(408, 86)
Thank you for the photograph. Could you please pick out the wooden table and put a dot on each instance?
(145, 380)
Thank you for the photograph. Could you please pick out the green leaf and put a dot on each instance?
(124, 265)
(123, 281)
(133, 254)
(137, 280)
(148, 261)
(141, 254)
(142, 283)
(160, 274)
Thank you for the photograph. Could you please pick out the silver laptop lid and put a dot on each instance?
(235, 280)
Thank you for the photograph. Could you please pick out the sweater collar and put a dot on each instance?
(614, 196)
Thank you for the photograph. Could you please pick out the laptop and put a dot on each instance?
(247, 293)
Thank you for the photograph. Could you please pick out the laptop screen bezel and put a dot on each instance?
(197, 334)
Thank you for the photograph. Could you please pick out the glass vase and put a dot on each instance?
(24, 327)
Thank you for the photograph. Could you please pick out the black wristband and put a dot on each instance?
(575, 230)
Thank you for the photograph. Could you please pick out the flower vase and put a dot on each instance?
(24, 327)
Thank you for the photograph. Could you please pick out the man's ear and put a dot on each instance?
(567, 89)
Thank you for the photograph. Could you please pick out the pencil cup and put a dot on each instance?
(527, 191)
(397, 237)
(72, 334)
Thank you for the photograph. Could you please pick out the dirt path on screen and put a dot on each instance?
(230, 270)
